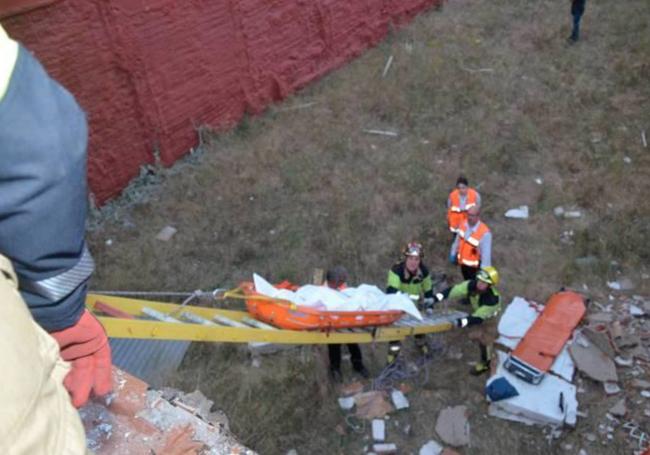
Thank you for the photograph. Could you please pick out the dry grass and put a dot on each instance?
(489, 89)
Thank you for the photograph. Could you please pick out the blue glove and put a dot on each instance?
(453, 259)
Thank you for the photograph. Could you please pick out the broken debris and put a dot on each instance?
(378, 430)
(431, 448)
(619, 409)
(399, 400)
(372, 405)
(166, 233)
(453, 427)
(593, 362)
(520, 213)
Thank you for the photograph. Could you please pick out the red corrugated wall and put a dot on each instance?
(148, 72)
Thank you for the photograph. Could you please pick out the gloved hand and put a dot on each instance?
(461, 322)
(453, 259)
(86, 347)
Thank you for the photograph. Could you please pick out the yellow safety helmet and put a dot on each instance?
(488, 275)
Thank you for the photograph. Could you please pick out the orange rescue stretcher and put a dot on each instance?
(287, 315)
(543, 342)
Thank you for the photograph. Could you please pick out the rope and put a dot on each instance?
(400, 370)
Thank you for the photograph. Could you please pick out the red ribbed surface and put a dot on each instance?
(148, 72)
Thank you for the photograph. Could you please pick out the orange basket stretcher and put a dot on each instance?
(543, 342)
(287, 315)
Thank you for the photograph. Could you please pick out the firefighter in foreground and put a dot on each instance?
(482, 294)
(411, 277)
(43, 138)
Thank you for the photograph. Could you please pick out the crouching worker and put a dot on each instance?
(486, 305)
(411, 277)
(337, 278)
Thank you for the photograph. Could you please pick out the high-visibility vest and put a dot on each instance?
(456, 215)
(469, 253)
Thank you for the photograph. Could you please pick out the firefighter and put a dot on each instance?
(460, 200)
(411, 277)
(472, 247)
(485, 300)
(43, 138)
(337, 278)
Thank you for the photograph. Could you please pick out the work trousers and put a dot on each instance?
(577, 10)
(469, 273)
(335, 356)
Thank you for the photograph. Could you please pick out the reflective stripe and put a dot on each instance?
(57, 287)
(453, 229)
(454, 208)
(472, 241)
(469, 206)
(470, 263)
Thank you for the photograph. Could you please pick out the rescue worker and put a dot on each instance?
(577, 10)
(337, 278)
(485, 300)
(472, 247)
(43, 138)
(411, 277)
(460, 200)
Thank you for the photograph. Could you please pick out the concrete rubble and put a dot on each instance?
(372, 405)
(453, 427)
(137, 420)
(520, 213)
(431, 448)
(378, 430)
(166, 233)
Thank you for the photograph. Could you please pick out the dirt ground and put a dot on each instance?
(488, 89)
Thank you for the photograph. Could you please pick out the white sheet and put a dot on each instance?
(363, 298)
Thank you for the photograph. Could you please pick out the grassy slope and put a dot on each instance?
(486, 88)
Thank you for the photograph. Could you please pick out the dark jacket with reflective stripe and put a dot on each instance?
(43, 194)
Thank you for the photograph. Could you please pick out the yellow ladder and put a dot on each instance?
(144, 319)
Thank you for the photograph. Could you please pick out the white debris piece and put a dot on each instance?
(645, 393)
(551, 402)
(362, 298)
(385, 448)
(431, 448)
(399, 399)
(520, 212)
(378, 430)
(612, 388)
(572, 214)
(539, 180)
(558, 211)
(346, 403)
(623, 362)
(636, 311)
(166, 233)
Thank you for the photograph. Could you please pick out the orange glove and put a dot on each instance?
(85, 345)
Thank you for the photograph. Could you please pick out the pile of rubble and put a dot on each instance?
(376, 408)
(138, 420)
(610, 349)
